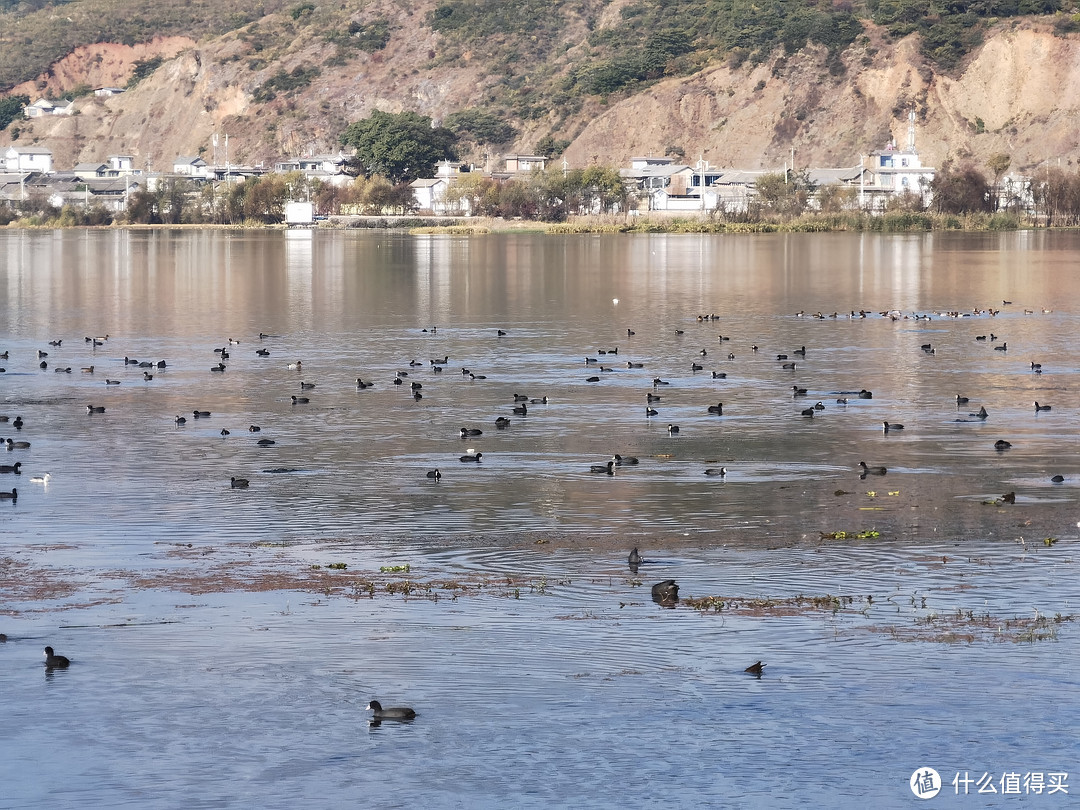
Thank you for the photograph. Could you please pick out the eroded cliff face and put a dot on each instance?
(102, 65)
(1017, 94)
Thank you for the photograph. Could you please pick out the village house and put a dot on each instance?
(431, 194)
(1014, 193)
(666, 186)
(13, 186)
(653, 174)
(234, 173)
(663, 185)
(122, 164)
(325, 168)
(190, 166)
(118, 165)
(88, 171)
(892, 172)
(28, 159)
(737, 188)
(110, 193)
(45, 107)
(106, 92)
(518, 164)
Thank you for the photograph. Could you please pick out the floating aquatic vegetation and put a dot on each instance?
(863, 535)
(966, 626)
(789, 606)
(393, 569)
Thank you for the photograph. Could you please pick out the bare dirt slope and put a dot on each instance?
(1017, 94)
(105, 64)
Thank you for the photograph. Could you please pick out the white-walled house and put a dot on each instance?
(325, 168)
(891, 172)
(189, 166)
(45, 107)
(431, 193)
(662, 200)
(122, 164)
(1014, 193)
(28, 159)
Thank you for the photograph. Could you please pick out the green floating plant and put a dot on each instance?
(394, 569)
(864, 535)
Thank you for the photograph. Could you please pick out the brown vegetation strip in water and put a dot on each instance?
(790, 606)
(255, 577)
(19, 582)
(22, 582)
(969, 627)
(950, 628)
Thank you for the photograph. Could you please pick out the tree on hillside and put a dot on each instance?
(960, 191)
(401, 147)
(477, 193)
(481, 126)
(11, 108)
(1057, 194)
(550, 147)
(603, 190)
(998, 164)
(785, 194)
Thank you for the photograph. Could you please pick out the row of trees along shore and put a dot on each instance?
(393, 149)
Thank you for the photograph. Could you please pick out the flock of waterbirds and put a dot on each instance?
(602, 360)
(665, 592)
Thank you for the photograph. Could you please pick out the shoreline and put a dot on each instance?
(848, 222)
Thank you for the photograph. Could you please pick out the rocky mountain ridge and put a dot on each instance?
(1017, 93)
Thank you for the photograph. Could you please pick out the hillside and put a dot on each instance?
(840, 85)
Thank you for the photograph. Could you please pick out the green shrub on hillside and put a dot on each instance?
(371, 37)
(284, 82)
(481, 126)
(477, 19)
(142, 69)
(11, 108)
(950, 29)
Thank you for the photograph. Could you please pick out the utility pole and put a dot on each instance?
(862, 183)
(702, 165)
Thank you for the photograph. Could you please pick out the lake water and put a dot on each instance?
(909, 620)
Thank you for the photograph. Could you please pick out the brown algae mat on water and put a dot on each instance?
(30, 588)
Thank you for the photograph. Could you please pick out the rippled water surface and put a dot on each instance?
(220, 662)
